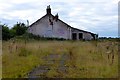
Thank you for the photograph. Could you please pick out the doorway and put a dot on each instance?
(80, 35)
(74, 36)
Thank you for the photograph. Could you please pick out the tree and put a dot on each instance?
(5, 32)
(18, 29)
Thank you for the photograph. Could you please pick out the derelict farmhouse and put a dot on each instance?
(51, 26)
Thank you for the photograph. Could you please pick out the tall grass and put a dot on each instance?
(88, 59)
(0, 58)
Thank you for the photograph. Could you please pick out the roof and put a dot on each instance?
(75, 28)
(37, 20)
(62, 22)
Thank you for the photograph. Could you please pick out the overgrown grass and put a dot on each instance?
(0, 58)
(88, 59)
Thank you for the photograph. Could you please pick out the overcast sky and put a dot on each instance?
(97, 16)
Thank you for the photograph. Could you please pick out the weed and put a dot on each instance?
(24, 52)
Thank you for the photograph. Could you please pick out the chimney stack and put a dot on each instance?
(48, 10)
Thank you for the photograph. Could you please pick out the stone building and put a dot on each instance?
(51, 26)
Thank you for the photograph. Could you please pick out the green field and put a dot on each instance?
(86, 59)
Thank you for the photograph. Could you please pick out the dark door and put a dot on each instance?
(80, 35)
(74, 36)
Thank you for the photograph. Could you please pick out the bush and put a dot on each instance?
(30, 36)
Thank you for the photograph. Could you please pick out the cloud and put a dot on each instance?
(92, 15)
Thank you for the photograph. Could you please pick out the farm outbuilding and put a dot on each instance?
(51, 26)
